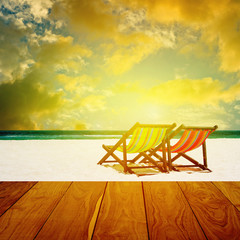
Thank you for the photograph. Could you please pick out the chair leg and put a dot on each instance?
(164, 156)
(204, 154)
(106, 156)
(203, 166)
(146, 157)
(169, 160)
(194, 162)
(152, 161)
(121, 162)
(153, 152)
(150, 154)
(124, 156)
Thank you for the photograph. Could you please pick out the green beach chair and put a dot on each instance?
(143, 138)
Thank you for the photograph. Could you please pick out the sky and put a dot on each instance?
(107, 64)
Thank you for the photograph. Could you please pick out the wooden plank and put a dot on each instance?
(10, 192)
(218, 218)
(122, 214)
(231, 190)
(168, 212)
(76, 213)
(26, 217)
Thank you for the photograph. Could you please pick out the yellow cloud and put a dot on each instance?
(80, 84)
(68, 82)
(93, 103)
(14, 55)
(131, 51)
(226, 32)
(189, 101)
(216, 21)
(192, 92)
(126, 44)
(63, 54)
(185, 11)
(233, 93)
(35, 100)
(23, 102)
(127, 87)
(181, 92)
(94, 15)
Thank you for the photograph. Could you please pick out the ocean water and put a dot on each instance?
(58, 134)
(87, 134)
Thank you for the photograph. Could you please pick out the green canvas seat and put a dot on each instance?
(143, 138)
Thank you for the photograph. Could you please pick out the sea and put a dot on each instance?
(87, 134)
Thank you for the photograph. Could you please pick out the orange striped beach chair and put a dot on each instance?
(192, 138)
(143, 138)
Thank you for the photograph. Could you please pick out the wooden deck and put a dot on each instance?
(119, 210)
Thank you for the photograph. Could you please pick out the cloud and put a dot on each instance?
(30, 95)
(39, 10)
(190, 101)
(20, 38)
(216, 22)
(206, 115)
(14, 57)
(182, 92)
(78, 112)
(129, 49)
(128, 37)
(79, 85)
(22, 100)
(63, 55)
(183, 11)
(54, 55)
(193, 92)
(226, 32)
(134, 22)
(124, 58)
(84, 15)
(81, 99)
(49, 37)
(93, 103)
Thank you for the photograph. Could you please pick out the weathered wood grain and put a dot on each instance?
(26, 217)
(217, 216)
(231, 190)
(168, 213)
(122, 214)
(76, 213)
(53, 210)
(10, 192)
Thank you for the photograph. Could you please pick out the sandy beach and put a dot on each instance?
(76, 160)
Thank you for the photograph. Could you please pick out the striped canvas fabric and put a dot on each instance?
(144, 138)
(190, 140)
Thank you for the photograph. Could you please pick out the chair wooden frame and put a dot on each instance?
(179, 154)
(148, 156)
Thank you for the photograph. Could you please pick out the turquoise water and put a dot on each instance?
(58, 134)
(88, 134)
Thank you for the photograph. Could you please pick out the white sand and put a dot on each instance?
(76, 160)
